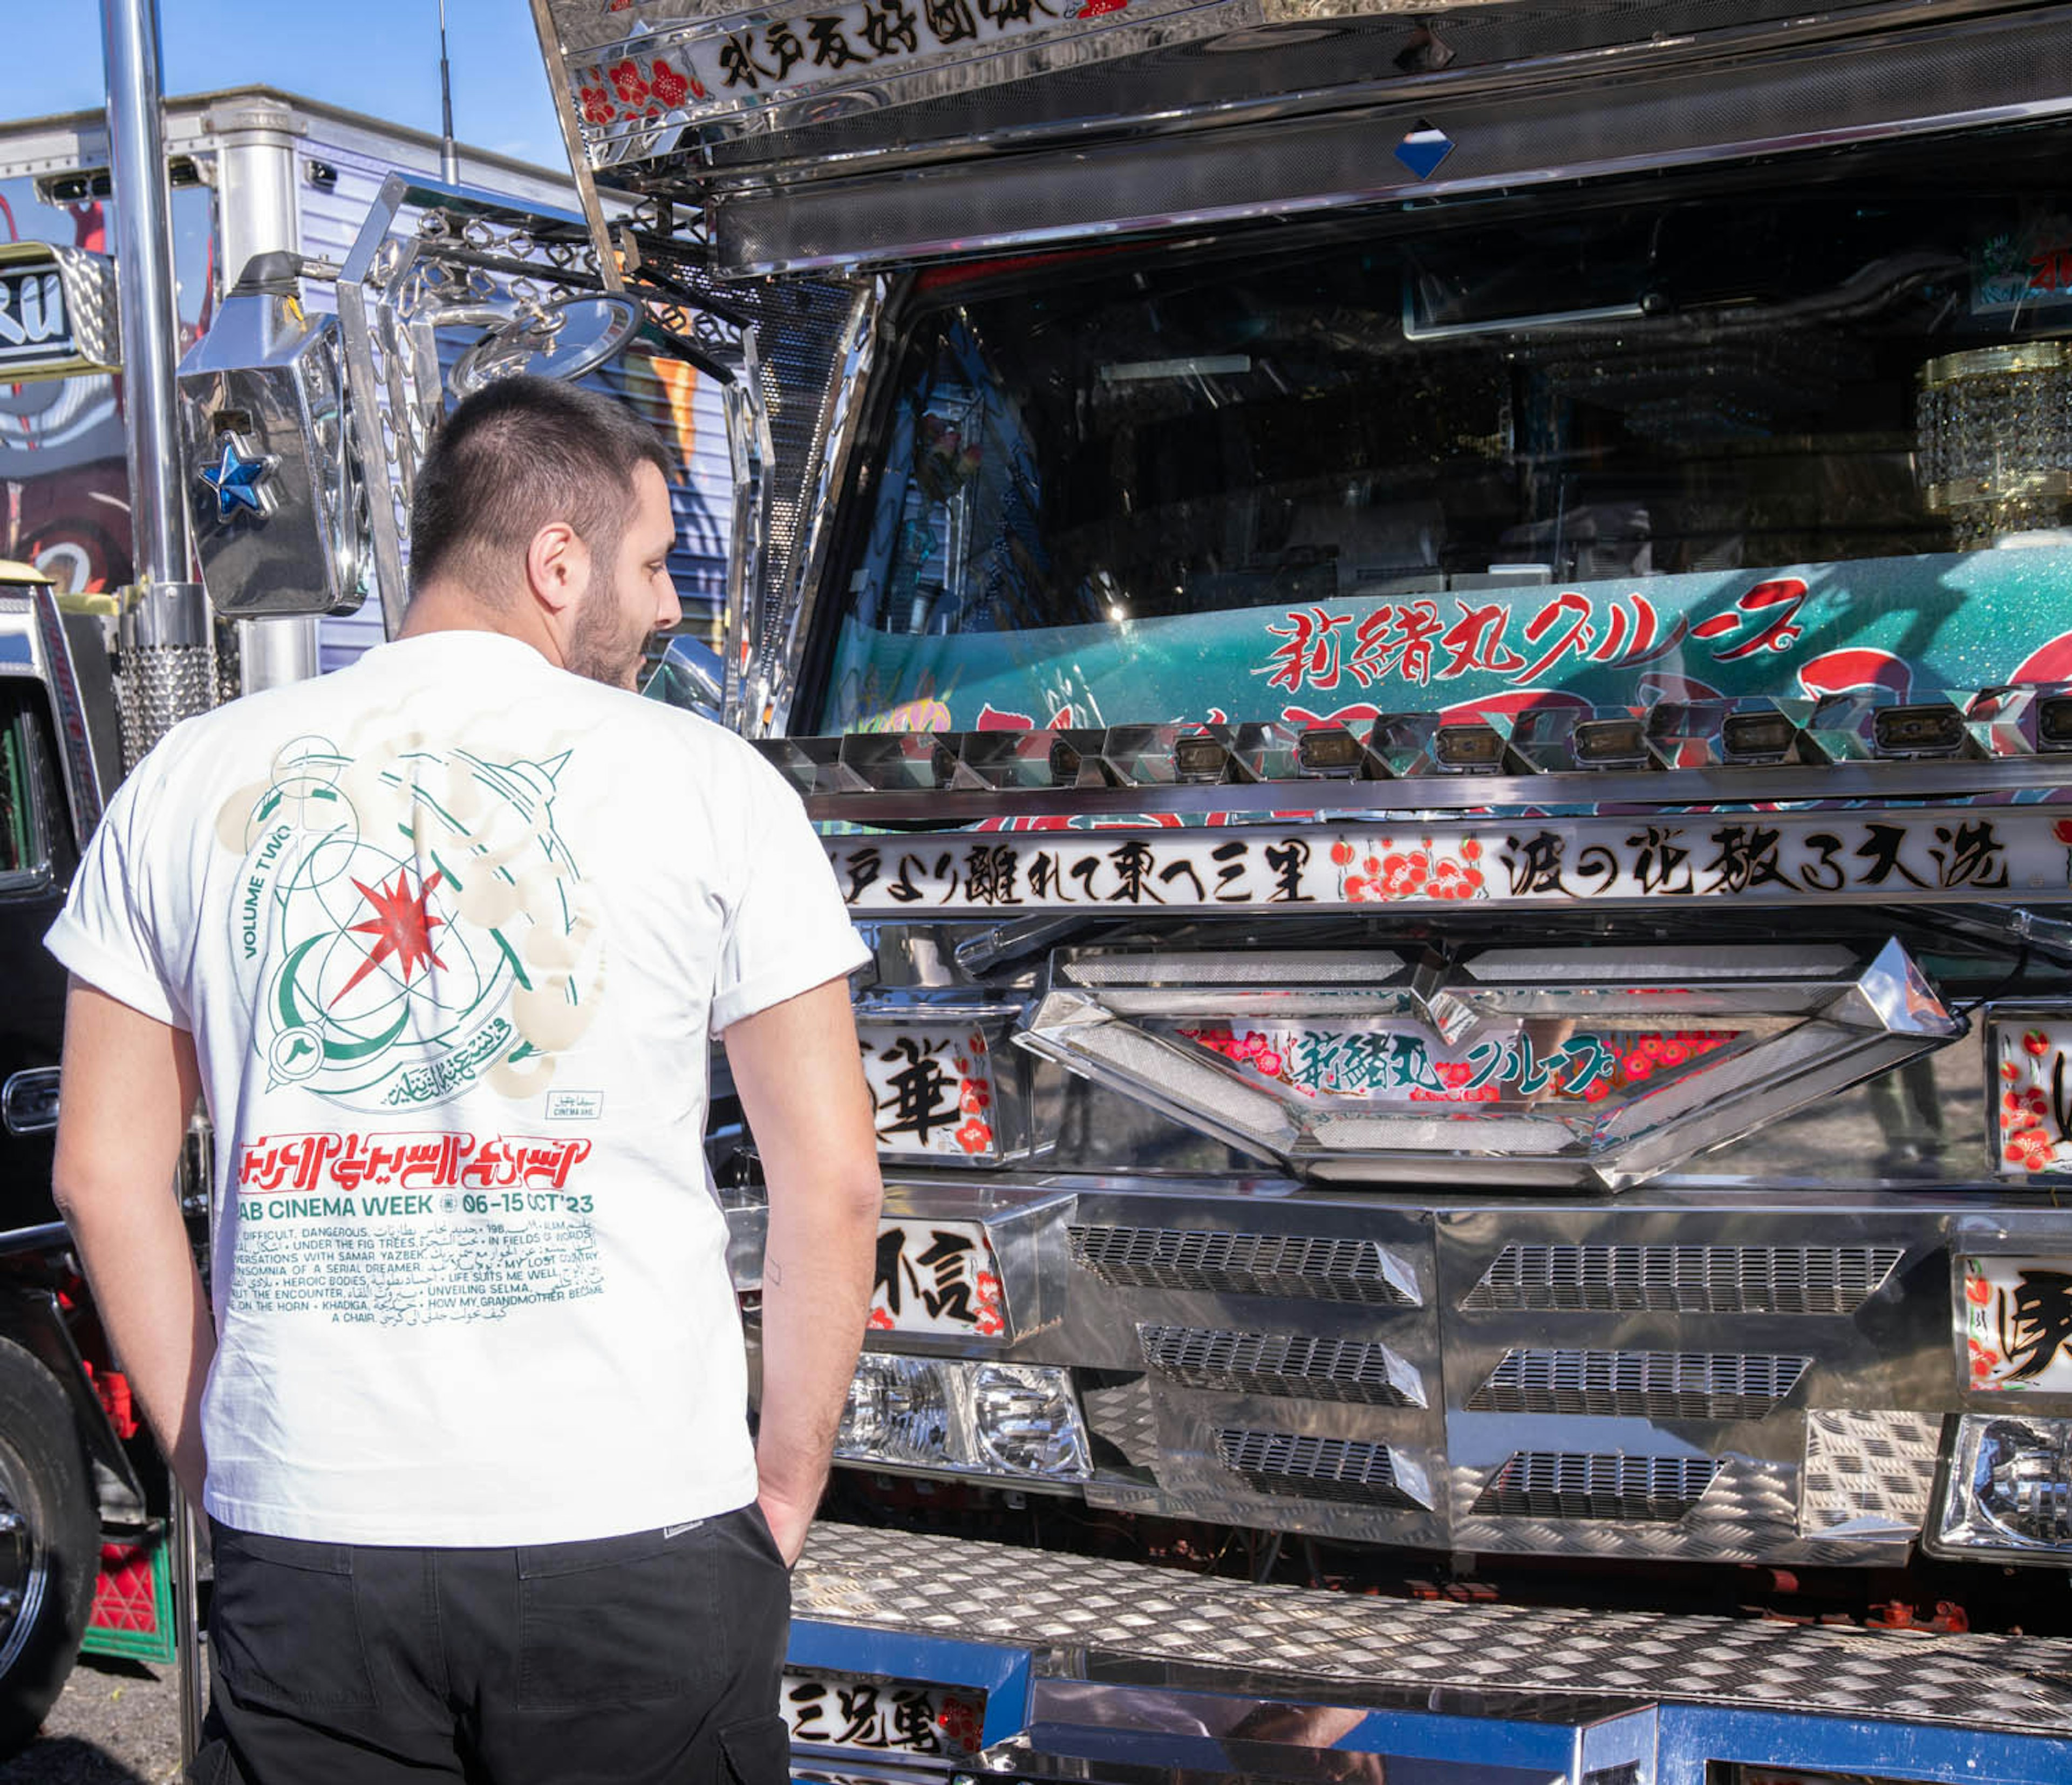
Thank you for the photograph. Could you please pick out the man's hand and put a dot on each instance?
(800, 1079)
(788, 1523)
(127, 1088)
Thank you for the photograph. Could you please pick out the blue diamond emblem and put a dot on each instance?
(1423, 148)
(235, 481)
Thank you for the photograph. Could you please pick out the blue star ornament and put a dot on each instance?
(236, 482)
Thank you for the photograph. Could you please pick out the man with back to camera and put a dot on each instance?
(441, 938)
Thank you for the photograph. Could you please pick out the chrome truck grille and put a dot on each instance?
(1655, 1385)
(1569, 1484)
(1281, 1364)
(1243, 1264)
(1313, 1468)
(1815, 1280)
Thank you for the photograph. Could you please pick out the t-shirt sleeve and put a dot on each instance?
(108, 933)
(788, 930)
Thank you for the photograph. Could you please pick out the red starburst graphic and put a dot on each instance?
(402, 925)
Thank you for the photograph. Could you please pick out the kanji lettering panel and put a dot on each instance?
(2017, 1316)
(937, 1276)
(935, 1090)
(883, 1716)
(1771, 857)
(2031, 1058)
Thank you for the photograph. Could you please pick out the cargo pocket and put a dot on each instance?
(758, 1752)
(284, 1623)
(617, 1620)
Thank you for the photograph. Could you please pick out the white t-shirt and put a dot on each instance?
(452, 929)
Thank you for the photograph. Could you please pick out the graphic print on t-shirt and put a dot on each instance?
(415, 931)
(420, 926)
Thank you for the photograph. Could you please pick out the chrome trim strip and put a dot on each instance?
(1913, 778)
(841, 418)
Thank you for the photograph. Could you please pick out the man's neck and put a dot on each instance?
(445, 607)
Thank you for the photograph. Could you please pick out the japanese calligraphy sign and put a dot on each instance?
(749, 61)
(1769, 857)
(1794, 629)
(937, 1276)
(888, 1716)
(933, 1087)
(2016, 1319)
(1514, 1062)
(2032, 1086)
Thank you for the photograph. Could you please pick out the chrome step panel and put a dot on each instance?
(1568, 1484)
(1319, 1268)
(1696, 1385)
(1683, 1279)
(1281, 1364)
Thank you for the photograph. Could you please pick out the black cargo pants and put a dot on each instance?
(636, 1661)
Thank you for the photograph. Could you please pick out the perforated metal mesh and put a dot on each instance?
(1244, 1263)
(1822, 1280)
(160, 686)
(1574, 1484)
(1658, 1384)
(1312, 1468)
(1280, 1363)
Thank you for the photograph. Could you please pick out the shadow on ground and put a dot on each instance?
(67, 1761)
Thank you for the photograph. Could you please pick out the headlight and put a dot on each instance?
(2009, 1489)
(1015, 1420)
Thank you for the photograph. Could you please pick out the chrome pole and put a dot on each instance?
(449, 154)
(168, 665)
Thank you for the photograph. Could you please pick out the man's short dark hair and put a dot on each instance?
(513, 458)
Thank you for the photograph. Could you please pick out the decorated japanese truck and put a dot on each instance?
(1436, 648)
(1435, 644)
(85, 1510)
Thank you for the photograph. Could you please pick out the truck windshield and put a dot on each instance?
(1794, 440)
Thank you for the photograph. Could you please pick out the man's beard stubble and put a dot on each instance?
(598, 651)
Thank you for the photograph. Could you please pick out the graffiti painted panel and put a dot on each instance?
(1904, 625)
(937, 1276)
(887, 1717)
(933, 1088)
(2032, 1086)
(1548, 1061)
(2017, 1321)
(1772, 857)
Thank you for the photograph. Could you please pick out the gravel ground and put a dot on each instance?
(116, 1723)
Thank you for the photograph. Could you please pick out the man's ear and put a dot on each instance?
(557, 567)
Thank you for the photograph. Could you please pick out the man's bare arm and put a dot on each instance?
(800, 1079)
(127, 1088)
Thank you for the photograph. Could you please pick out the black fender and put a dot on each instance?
(30, 1317)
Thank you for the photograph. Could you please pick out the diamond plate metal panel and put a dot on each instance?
(1122, 1413)
(1867, 1471)
(993, 1592)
